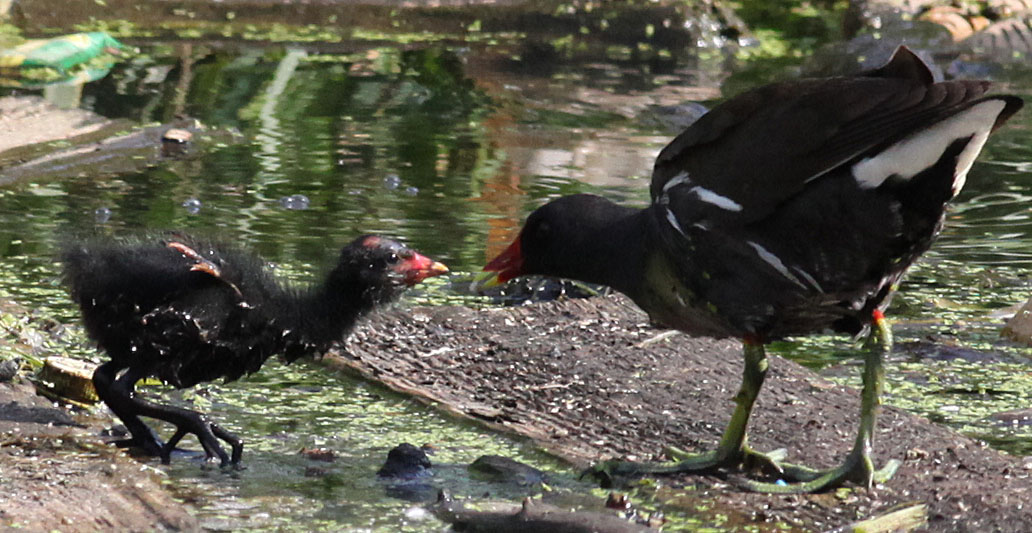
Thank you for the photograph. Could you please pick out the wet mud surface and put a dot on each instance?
(57, 474)
(590, 380)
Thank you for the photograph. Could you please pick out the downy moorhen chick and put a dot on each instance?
(790, 209)
(188, 311)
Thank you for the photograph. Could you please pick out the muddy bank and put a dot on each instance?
(589, 380)
(56, 474)
(29, 121)
(40, 141)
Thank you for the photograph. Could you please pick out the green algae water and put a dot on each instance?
(448, 147)
(282, 411)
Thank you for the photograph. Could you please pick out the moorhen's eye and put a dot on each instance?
(393, 258)
(544, 229)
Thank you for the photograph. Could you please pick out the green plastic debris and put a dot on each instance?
(41, 61)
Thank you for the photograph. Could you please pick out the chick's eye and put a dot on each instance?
(393, 258)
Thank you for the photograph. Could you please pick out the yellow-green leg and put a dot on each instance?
(858, 466)
(733, 451)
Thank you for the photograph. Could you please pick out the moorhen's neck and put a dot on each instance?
(326, 312)
(591, 239)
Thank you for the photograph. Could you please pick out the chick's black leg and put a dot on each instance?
(236, 443)
(126, 385)
(186, 421)
(119, 400)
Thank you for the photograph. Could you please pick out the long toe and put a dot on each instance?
(149, 447)
(212, 449)
(857, 468)
(684, 463)
(790, 478)
(170, 446)
(235, 443)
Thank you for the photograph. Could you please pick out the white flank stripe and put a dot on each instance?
(806, 275)
(775, 262)
(921, 150)
(711, 197)
(673, 222)
(678, 179)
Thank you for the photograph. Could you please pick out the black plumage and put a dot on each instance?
(189, 310)
(791, 209)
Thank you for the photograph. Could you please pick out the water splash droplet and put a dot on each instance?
(295, 201)
(102, 215)
(192, 205)
(391, 182)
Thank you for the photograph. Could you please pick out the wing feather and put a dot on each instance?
(780, 137)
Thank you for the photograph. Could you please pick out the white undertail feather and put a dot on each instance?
(919, 151)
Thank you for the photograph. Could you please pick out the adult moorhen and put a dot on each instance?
(188, 310)
(790, 209)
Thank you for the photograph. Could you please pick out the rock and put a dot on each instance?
(505, 470)
(1015, 417)
(9, 369)
(1019, 327)
(405, 461)
(175, 141)
(406, 471)
(531, 516)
